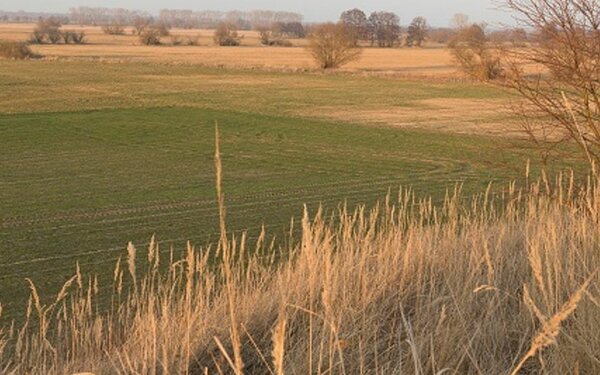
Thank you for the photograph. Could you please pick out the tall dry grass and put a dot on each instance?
(489, 285)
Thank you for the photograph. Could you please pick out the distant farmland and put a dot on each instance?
(432, 61)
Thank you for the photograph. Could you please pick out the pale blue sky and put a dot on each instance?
(439, 12)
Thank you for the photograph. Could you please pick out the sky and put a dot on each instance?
(438, 12)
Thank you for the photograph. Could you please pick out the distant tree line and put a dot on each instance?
(30, 17)
(183, 18)
(383, 29)
(252, 20)
(103, 16)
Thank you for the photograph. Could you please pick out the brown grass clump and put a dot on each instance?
(16, 51)
(492, 285)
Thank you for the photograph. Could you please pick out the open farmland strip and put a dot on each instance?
(116, 248)
(19, 221)
(360, 194)
(445, 166)
(148, 221)
(288, 158)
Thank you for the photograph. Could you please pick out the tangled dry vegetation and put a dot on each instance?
(16, 51)
(491, 286)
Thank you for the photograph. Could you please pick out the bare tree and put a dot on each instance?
(565, 87)
(333, 46)
(459, 21)
(140, 24)
(417, 32)
(114, 28)
(475, 55)
(357, 24)
(226, 35)
(47, 30)
(384, 28)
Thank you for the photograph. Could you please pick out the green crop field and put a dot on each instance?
(93, 155)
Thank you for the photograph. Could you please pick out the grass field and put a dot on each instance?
(385, 218)
(93, 155)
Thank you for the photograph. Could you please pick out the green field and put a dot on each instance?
(94, 155)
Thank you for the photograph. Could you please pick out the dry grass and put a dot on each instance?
(15, 51)
(490, 286)
(463, 116)
(408, 62)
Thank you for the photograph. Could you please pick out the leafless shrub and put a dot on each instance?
(280, 43)
(184, 40)
(47, 30)
(114, 29)
(332, 46)
(37, 37)
(16, 51)
(177, 40)
(193, 40)
(55, 36)
(150, 37)
(559, 74)
(271, 37)
(226, 35)
(474, 53)
(161, 28)
(73, 37)
(265, 35)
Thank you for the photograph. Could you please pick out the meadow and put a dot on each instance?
(92, 161)
(106, 145)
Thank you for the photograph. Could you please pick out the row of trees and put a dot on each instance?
(251, 20)
(383, 28)
(183, 18)
(49, 31)
(105, 16)
(29, 17)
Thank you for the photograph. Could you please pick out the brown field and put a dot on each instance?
(435, 62)
(465, 116)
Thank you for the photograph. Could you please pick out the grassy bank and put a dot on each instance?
(485, 286)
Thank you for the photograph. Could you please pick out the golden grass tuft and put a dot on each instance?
(495, 284)
(551, 327)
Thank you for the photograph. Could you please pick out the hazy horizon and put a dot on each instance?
(438, 12)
